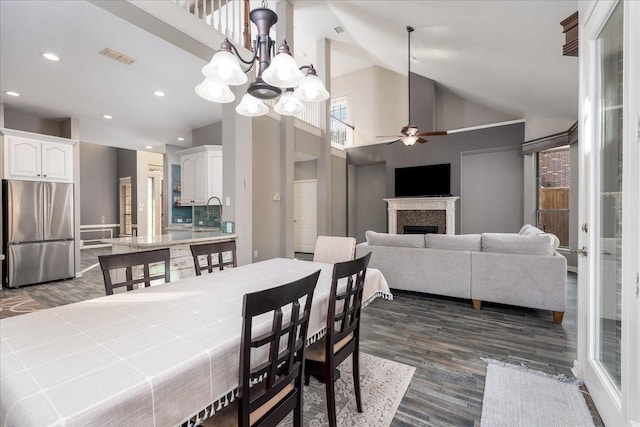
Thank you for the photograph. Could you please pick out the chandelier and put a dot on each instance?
(277, 76)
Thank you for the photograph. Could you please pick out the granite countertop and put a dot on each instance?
(174, 238)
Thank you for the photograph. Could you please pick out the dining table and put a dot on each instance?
(165, 355)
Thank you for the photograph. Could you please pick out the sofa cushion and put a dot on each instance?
(462, 242)
(511, 243)
(530, 230)
(404, 240)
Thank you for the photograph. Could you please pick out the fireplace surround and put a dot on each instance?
(445, 204)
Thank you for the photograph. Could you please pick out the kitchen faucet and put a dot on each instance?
(220, 203)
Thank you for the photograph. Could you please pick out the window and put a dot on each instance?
(340, 135)
(554, 178)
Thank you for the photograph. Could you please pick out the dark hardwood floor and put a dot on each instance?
(444, 338)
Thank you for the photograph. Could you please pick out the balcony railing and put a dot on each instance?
(224, 16)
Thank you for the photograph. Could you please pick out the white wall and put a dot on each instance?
(455, 112)
(538, 127)
(377, 102)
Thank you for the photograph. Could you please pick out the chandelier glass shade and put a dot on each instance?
(224, 69)
(276, 76)
(215, 92)
(289, 104)
(251, 106)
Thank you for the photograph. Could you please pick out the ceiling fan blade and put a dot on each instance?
(388, 136)
(437, 133)
(422, 140)
(392, 142)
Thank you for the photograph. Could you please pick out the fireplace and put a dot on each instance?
(437, 212)
(420, 229)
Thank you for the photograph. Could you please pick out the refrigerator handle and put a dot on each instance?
(46, 210)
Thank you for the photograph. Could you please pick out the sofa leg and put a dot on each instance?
(557, 316)
(476, 304)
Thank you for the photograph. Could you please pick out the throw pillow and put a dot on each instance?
(404, 240)
(530, 230)
(510, 243)
(462, 242)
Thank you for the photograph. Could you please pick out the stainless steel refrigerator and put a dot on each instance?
(37, 232)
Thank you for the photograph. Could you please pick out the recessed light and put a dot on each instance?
(148, 147)
(158, 93)
(106, 116)
(50, 56)
(12, 93)
(181, 139)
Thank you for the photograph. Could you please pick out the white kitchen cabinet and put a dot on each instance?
(201, 174)
(35, 159)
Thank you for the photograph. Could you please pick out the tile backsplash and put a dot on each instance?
(206, 216)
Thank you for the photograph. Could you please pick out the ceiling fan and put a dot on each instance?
(410, 134)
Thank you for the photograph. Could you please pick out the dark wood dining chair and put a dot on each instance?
(278, 388)
(214, 253)
(140, 262)
(343, 332)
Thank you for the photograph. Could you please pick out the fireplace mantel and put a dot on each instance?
(447, 204)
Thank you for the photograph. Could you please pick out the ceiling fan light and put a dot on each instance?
(312, 89)
(289, 105)
(215, 92)
(224, 68)
(251, 106)
(283, 72)
(409, 140)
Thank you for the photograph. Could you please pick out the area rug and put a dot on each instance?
(18, 304)
(517, 396)
(383, 384)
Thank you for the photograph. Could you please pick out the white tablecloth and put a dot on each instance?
(150, 357)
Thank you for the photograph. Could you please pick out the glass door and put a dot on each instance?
(609, 271)
(608, 197)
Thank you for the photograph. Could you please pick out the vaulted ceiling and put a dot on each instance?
(503, 54)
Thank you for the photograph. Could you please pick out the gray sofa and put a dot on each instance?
(520, 269)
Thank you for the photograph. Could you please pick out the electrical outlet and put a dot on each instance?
(102, 219)
(255, 254)
(200, 222)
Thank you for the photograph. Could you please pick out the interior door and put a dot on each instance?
(305, 215)
(609, 346)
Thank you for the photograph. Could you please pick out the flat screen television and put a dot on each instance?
(428, 180)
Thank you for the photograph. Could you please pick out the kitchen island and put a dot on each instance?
(178, 243)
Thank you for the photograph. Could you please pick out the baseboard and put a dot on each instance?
(572, 269)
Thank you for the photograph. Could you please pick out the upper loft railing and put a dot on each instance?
(225, 16)
(231, 18)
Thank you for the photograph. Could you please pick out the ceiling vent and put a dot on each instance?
(338, 29)
(110, 53)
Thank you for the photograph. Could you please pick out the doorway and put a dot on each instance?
(305, 215)
(126, 224)
(154, 199)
